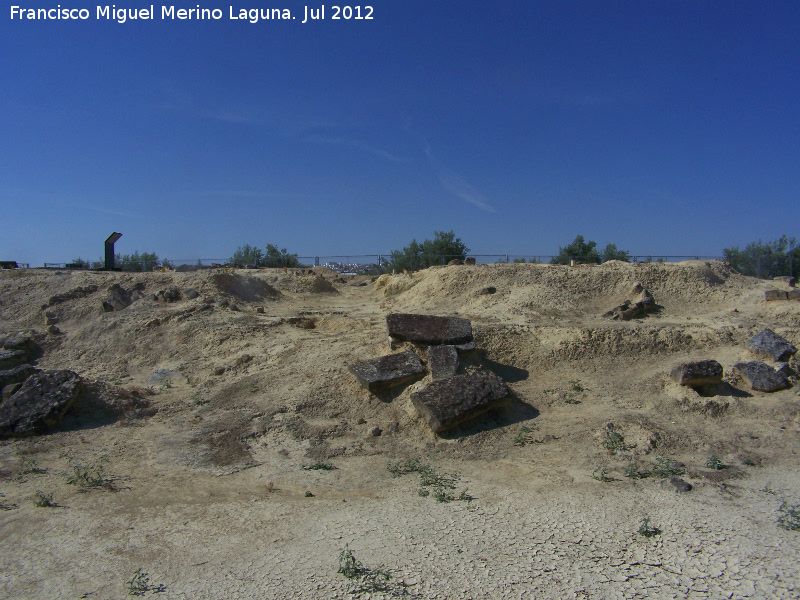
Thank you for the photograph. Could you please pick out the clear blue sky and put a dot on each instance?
(663, 127)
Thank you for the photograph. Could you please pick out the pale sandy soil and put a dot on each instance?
(208, 495)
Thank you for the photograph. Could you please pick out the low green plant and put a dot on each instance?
(42, 500)
(749, 462)
(309, 494)
(665, 467)
(635, 471)
(365, 579)
(790, 517)
(139, 584)
(431, 482)
(525, 435)
(615, 442)
(576, 385)
(648, 530)
(4, 506)
(600, 473)
(28, 466)
(569, 398)
(85, 475)
(410, 465)
(714, 462)
(318, 466)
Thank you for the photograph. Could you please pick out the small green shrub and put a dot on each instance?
(525, 435)
(576, 385)
(85, 475)
(411, 465)
(635, 471)
(569, 398)
(665, 467)
(28, 467)
(648, 530)
(365, 579)
(139, 584)
(714, 462)
(790, 517)
(432, 482)
(4, 506)
(319, 466)
(615, 442)
(309, 494)
(42, 500)
(600, 473)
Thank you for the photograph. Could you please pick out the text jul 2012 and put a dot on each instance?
(170, 12)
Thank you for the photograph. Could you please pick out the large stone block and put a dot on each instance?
(40, 403)
(793, 294)
(429, 329)
(771, 295)
(695, 374)
(762, 377)
(788, 280)
(16, 374)
(446, 403)
(378, 374)
(12, 358)
(770, 345)
(442, 361)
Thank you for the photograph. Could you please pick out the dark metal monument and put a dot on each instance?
(112, 239)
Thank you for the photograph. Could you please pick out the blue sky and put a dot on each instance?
(663, 127)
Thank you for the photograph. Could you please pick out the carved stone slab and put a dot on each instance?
(693, 374)
(381, 373)
(445, 403)
(442, 361)
(762, 377)
(429, 329)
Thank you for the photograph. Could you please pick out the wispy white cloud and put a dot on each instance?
(355, 144)
(451, 181)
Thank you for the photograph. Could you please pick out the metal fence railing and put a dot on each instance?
(762, 267)
(357, 263)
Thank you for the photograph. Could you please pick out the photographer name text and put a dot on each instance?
(111, 12)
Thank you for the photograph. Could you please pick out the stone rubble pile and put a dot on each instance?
(450, 399)
(638, 303)
(761, 376)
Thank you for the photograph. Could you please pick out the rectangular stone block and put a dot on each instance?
(769, 344)
(446, 403)
(442, 361)
(429, 329)
(794, 294)
(695, 374)
(762, 377)
(382, 373)
(771, 295)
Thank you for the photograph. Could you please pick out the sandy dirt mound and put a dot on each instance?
(244, 288)
(248, 475)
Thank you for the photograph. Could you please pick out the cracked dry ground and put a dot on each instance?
(208, 496)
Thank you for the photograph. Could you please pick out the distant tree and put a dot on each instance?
(247, 255)
(519, 259)
(444, 246)
(580, 250)
(146, 261)
(766, 259)
(610, 252)
(79, 263)
(279, 258)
